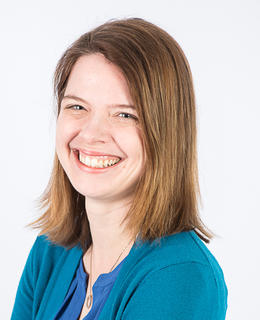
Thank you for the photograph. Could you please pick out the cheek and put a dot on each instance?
(64, 131)
(131, 142)
(60, 135)
(63, 136)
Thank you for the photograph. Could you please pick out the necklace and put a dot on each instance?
(90, 296)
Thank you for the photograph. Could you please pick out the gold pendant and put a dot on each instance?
(89, 301)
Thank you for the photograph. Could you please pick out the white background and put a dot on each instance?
(221, 41)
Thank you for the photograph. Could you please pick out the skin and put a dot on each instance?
(95, 125)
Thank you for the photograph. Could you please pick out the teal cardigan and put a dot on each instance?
(177, 279)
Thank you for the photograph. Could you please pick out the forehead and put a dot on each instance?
(95, 77)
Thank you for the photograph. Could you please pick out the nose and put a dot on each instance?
(96, 128)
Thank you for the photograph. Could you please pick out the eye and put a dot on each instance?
(127, 116)
(75, 107)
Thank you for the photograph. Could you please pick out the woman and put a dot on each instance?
(121, 236)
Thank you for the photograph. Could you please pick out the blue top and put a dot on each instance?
(73, 303)
(176, 279)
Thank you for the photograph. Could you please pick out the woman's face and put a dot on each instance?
(98, 127)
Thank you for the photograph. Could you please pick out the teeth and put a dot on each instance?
(94, 163)
(98, 162)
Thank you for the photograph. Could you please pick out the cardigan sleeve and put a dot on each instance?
(23, 305)
(177, 292)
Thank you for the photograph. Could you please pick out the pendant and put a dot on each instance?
(89, 300)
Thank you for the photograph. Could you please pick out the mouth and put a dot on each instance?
(96, 161)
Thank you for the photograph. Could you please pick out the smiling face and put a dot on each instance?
(98, 139)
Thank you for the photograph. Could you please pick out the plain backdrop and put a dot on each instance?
(221, 41)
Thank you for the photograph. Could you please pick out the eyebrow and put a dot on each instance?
(69, 96)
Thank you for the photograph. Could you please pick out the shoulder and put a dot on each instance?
(178, 276)
(185, 255)
(44, 251)
(45, 279)
(46, 257)
(184, 247)
(43, 246)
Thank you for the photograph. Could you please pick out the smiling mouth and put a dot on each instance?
(97, 161)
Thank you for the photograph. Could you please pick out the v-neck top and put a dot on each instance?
(74, 300)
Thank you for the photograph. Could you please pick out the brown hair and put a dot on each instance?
(160, 84)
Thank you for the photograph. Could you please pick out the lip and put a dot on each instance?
(86, 169)
(94, 153)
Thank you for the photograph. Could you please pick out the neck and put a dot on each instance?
(109, 237)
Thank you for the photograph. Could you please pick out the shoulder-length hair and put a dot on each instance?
(160, 83)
